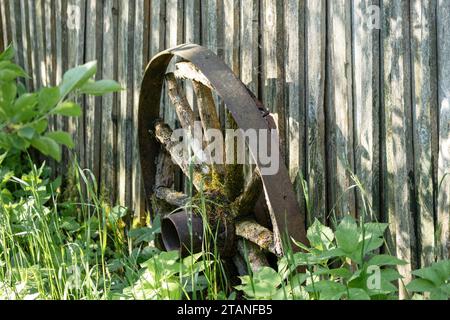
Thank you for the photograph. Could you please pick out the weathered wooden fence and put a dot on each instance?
(360, 87)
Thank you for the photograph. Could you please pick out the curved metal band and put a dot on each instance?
(244, 109)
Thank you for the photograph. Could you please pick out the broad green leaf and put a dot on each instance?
(264, 285)
(268, 275)
(10, 71)
(358, 294)
(8, 93)
(347, 235)
(320, 236)
(70, 224)
(100, 88)
(117, 213)
(328, 290)
(440, 294)
(339, 272)
(75, 78)
(438, 273)
(61, 137)
(377, 230)
(18, 142)
(40, 126)
(48, 147)
(8, 54)
(68, 109)
(442, 270)
(24, 108)
(48, 98)
(26, 132)
(421, 285)
(385, 260)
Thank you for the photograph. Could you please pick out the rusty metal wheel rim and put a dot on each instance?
(246, 113)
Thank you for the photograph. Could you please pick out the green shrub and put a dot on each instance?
(339, 265)
(24, 116)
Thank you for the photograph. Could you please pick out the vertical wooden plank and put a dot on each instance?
(249, 54)
(4, 9)
(60, 7)
(59, 40)
(423, 53)
(25, 34)
(94, 31)
(212, 37)
(397, 108)
(76, 10)
(2, 30)
(40, 44)
(340, 110)
(158, 26)
(158, 33)
(209, 24)
(47, 62)
(443, 23)
(125, 58)
(49, 45)
(138, 71)
(273, 74)
(191, 35)
(315, 12)
(174, 37)
(16, 30)
(249, 45)
(295, 93)
(231, 34)
(108, 132)
(35, 65)
(273, 64)
(366, 106)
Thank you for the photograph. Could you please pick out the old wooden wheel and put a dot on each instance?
(233, 213)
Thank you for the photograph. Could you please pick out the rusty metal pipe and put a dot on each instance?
(182, 232)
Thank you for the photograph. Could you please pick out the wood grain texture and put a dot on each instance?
(139, 59)
(397, 108)
(339, 116)
(295, 102)
(315, 12)
(108, 127)
(3, 30)
(366, 112)
(424, 84)
(125, 101)
(92, 114)
(443, 191)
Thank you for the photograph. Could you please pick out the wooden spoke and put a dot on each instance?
(178, 98)
(207, 107)
(252, 254)
(209, 119)
(201, 172)
(164, 171)
(187, 71)
(254, 232)
(245, 203)
(234, 175)
(172, 197)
